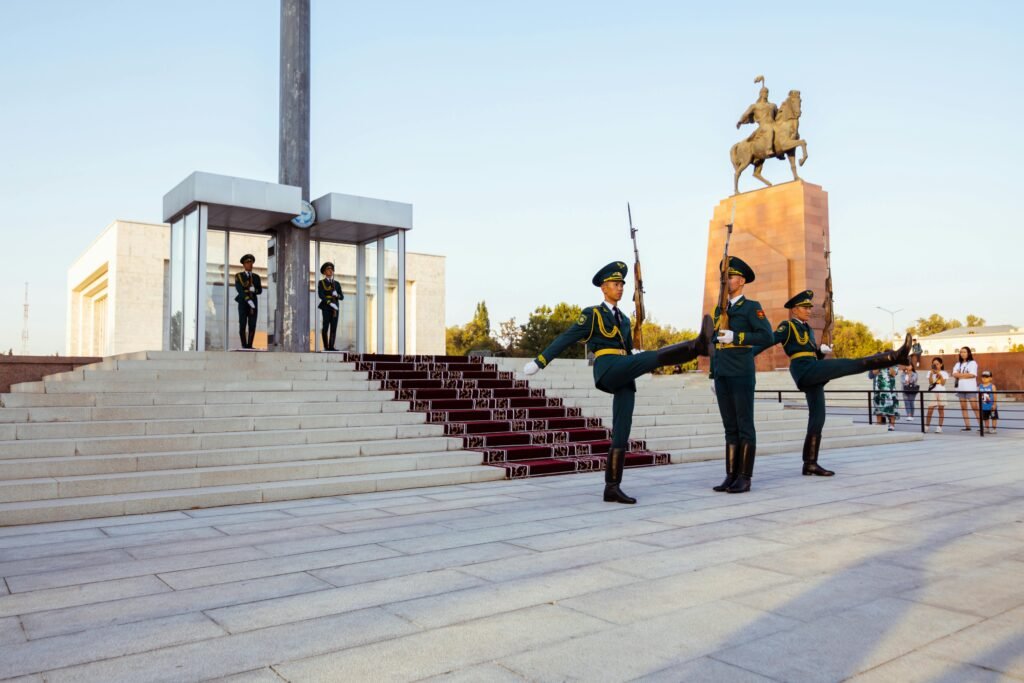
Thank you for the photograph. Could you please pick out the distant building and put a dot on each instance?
(117, 301)
(982, 339)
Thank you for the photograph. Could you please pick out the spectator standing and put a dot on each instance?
(908, 380)
(965, 374)
(989, 402)
(937, 378)
(885, 401)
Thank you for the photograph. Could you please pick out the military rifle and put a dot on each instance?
(639, 312)
(723, 293)
(830, 316)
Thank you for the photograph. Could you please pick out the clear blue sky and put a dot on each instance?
(520, 130)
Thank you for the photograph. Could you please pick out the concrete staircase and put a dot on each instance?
(158, 431)
(677, 414)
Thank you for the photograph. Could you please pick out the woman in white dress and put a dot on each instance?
(937, 377)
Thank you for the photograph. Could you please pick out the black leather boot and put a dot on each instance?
(684, 352)
(613, 477)
(746, 469)
(887, 359)
(812, 442)
(730, 467)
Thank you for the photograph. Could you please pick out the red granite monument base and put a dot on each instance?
(781, 232)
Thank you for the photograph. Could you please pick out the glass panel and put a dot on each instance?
(343, 256)
(190, 305)
(177, 285)
(371, 297)
(215, 303)
(391, 294)
(240, 244)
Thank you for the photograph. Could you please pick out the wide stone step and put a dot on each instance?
(795, 446)
(158, 398)
(111, 385)
(765, 434)
(196, 412)
(76, 465)
(162, 480)
(54, 510)
(195, 442)
(219, 373)
(210, 425)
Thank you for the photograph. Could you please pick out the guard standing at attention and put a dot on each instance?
(733, 376)
(249, 287)
(329, 291)
(811, 372)
(606, 332)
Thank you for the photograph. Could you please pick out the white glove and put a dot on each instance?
(713, 392)
(334, 306)
(825, 348)
(531, 368)
(725, 336)
(252, 288)
(252, 304)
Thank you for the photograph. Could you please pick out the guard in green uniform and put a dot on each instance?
(733, 376)
(248, 286)
(329, 292)
(812, 372)
(606, 332)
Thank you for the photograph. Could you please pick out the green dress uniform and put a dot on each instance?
(329, 292)
(811, 372)
(248, 287)
(607, 334)
(732, 370)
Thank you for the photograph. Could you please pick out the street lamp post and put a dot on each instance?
(892, 315)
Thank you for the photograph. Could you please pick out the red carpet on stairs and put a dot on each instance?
(513, 426)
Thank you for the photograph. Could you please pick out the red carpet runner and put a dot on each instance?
(513, 426)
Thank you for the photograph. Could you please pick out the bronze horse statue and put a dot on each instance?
(777, 135)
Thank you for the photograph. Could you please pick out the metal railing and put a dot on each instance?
(918, 405)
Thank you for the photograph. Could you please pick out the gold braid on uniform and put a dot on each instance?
(802, 341)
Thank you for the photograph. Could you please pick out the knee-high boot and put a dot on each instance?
(887, 359)
(730, 467)
(684, 352)
(613, 477)
(746, 468)
(812, 442)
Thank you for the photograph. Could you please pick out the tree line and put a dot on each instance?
(851, 339)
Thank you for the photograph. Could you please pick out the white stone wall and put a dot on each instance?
(978, 343)
(127, 265)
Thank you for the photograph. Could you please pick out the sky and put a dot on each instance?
(520, 130)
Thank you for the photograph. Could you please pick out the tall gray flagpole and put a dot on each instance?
(293, 169)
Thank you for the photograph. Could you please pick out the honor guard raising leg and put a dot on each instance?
(329, 291)
(733, 376)
(606, 332)
(248, 287)
(811, 371)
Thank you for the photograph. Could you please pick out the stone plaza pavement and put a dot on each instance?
(907, 566)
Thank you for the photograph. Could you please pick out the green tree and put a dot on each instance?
(974, 321)
(656, 335)
(545, 324)
(1017, 348)
(510, 337)
(474, 335)
(852, 339)
(933, 324)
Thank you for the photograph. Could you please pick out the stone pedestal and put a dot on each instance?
(780, 231)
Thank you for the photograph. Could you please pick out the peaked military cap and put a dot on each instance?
(801, 299)
(613, 272)
(248, 257)
(738, 266)
(325, 266)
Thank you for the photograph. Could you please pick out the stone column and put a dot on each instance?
(293, 169)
